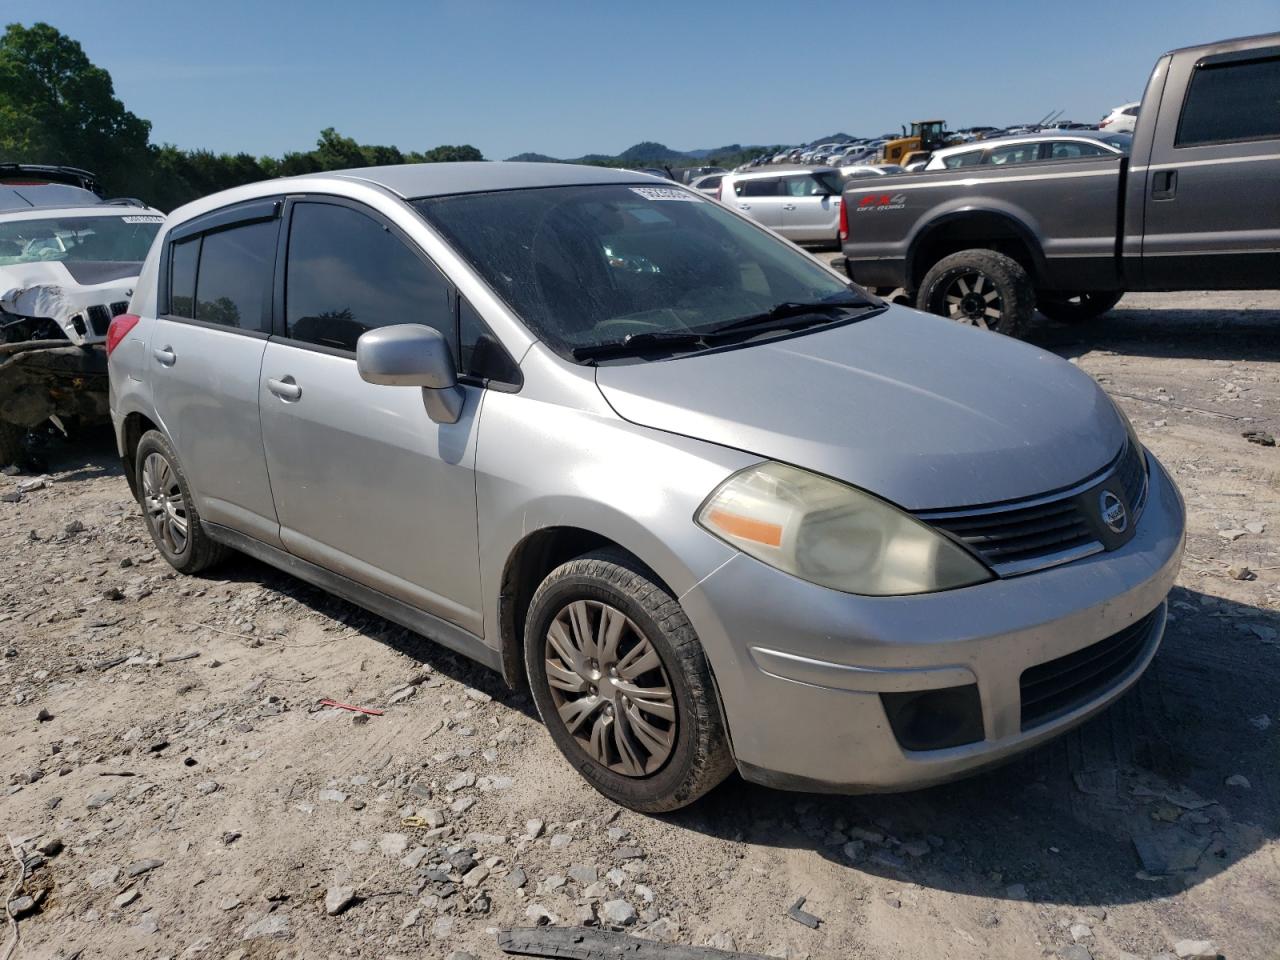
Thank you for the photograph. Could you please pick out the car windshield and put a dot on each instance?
(121, 237)
(590, 265)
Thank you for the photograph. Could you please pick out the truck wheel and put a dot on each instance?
(11, 437)
(622, 684)
(1077, 307)
(982, 288)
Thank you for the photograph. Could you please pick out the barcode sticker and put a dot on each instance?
(152, 219)
(666, 193)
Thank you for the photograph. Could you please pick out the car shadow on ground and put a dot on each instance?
(1132, 806)
(1208, 334)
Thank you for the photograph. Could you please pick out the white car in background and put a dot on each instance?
(1031, 147)
(1121, 119)
(800, 203)
(708, 183)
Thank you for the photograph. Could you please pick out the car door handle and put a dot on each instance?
(165, 355)
(286, 388)
(744, 206)
(1164, 185)
(789, 206)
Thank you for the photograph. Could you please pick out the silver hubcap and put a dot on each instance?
(972, 298)
(610, 688)
(162, 499)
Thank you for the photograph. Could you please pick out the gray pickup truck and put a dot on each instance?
(1195, 206)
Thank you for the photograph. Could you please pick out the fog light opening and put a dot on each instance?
(935, 719)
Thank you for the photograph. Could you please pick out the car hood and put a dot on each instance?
(922, 411)
(58, 291)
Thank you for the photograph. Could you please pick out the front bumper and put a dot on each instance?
(801, 669)
(67, 380)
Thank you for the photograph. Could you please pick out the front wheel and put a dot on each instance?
(982, 288)
(622, 684)
(1077, 307)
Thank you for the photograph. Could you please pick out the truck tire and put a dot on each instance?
(1077, 307)
(982, 288)
(11, 437)
(638, 717)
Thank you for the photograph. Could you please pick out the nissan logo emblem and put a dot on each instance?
(1114, 514)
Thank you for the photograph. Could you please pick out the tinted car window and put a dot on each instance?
(1014, 153)
(758, 188)
(966, 159)
(1073, 149)
(1232, 101)
(233, 283)
(347, 274)
(182, 277)
(479, 352)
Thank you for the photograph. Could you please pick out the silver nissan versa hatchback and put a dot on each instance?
(714, 504)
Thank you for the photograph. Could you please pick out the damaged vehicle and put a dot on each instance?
(68, 264)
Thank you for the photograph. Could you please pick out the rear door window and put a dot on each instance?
(1013, 153)
(967, 159)
(233, 281)
(347, 273)
(1231, 101)
(1075, 149)
(758, 188)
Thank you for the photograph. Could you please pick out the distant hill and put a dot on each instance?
(649, 153)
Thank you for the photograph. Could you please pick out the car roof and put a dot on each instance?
(778, 169)
(413, 180)
(29, 196)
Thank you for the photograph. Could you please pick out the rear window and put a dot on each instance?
(1075, 149)
(1232, 101)
(966, 159)
(1014, 153)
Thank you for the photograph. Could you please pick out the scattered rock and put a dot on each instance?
(43, 716)
(1239, 780)
(24, 904)
(1241, 573)
(104, 877)
(1075, 951)
(337, 899)
(517, 878)
(1195, 950)
(1080, 931)
(100, 798)
(461, 782)
(274, 925)
(126, 898)
(1169, 850)
(533, 829)
(207, 787)
(333, 796)
(618, 912)
(143, 866)
(1016, 891)
(475, 876)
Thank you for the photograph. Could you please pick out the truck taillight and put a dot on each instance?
(119, 329)
(844, 220)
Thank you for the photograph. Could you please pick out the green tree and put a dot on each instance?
(57, 107)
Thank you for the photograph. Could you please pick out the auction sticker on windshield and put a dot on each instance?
(152, 219)
(665, 193)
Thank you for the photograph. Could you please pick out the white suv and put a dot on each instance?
(800, 203)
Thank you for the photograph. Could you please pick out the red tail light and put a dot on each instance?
(844, 220)
(119, 329)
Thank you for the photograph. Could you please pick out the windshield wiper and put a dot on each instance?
(784, 316)
(634, 343)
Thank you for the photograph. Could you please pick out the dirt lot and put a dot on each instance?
(164, 738)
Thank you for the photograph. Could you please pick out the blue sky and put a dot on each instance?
(572, 77)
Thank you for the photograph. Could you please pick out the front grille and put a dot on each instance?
(1010, 538)
(99, 319)
(1052, 689)
(1046, 531)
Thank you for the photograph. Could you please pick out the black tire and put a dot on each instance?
(960, 287)
(197, 551)
(1077, 307)
(699, 757)
(11, 446)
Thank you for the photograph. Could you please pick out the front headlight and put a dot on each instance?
(834, 535)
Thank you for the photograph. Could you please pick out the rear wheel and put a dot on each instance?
(622, 684)
(982, 288)
(169, 510)
(1077, 307)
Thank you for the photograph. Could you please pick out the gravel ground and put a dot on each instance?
(177, 790)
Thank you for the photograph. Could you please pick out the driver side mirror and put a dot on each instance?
(413, 355)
